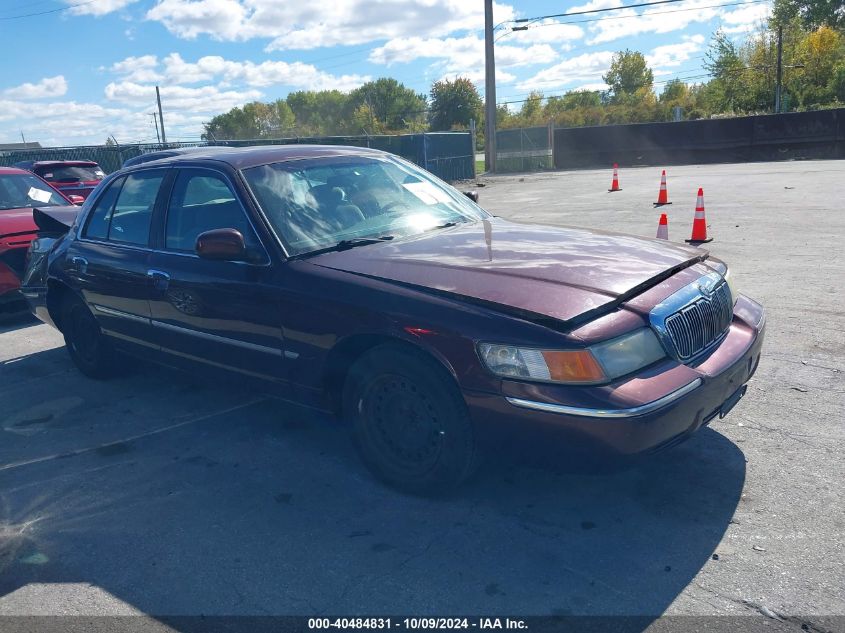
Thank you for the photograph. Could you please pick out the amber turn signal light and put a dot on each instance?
(573, 366)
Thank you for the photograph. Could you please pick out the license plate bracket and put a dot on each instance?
(730, 403)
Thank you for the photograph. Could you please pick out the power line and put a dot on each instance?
(60, 9)
(26, 5)
(628, 17)
(561, 15)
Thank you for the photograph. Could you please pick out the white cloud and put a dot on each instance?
(462, 56)
(583, 68)
(69, 122)
(674, 54)
(592, 87)
(545, 32)
(140, 69)
(47, 87)
(459, 53)
(202, 99)
(745, 19)
(98, 7)
(294, 74)
(304, 25)
(618, 24)
(173, 70)
(592, 5)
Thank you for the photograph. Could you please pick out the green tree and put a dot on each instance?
(628, 73)
(837, 83)
(675, 90)
(454, 104)
(531, 112)
(724, 62)
(323, 112)
(820, 53)
(392, 103)
(812, 13)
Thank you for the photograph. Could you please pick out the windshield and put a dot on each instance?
(24, 190)
(316, 204)
(71, 173)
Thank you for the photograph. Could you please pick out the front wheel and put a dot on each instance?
(410, 421)
(86, 344)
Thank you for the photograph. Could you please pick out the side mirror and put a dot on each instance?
(75, 199)
(222, 244)
(472, 195)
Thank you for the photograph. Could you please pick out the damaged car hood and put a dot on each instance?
(558, 272)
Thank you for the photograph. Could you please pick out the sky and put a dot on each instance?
(78, 71)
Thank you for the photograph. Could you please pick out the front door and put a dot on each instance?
(222, 313)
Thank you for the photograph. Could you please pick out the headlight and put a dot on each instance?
(629, 352)
(731, 286)
(596, 364)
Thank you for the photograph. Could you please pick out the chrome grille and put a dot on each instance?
(695, 318)
(698, 325)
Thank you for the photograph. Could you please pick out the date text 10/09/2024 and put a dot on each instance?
(417, 623)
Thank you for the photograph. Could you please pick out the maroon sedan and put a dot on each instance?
(20, 191)
(76, 179)
(360, 284)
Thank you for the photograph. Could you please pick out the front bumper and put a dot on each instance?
(653, 410)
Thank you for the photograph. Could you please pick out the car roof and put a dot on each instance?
(168, 153)
(14, 170)
(50, 163)
(245, 157)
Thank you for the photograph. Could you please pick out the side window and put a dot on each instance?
(134, 208)
(202, 201)
(99, 218)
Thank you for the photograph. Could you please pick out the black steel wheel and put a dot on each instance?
(410, 421)
(86, 344)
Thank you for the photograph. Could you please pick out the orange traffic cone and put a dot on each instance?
(663, 228)
(614, 186)
(663, 196)
(699, 224)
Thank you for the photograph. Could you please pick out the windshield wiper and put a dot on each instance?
(344, 245)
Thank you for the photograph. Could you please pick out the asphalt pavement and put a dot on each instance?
(156, 493)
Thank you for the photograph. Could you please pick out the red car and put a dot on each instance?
(20, 191)
(76, 179)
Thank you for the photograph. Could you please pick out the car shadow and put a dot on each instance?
(16, 320)
(264, 509)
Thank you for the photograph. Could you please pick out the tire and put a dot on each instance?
(409, 420)
(89, 349)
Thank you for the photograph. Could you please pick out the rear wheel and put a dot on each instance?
(410, 421)
(86, 344)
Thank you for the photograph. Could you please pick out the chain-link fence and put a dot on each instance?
(525, 149)
(448, 155)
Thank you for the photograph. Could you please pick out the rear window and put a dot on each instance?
(25, 190)
(70, 173)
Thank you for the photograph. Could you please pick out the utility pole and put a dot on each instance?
(23, 138)
(160, 116)
(780, 69)
(155, 120)
(489, 89)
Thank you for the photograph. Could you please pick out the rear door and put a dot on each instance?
(223, 313)
(110, 259)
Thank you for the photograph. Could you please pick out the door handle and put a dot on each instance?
(80, 263)
(160, 279)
